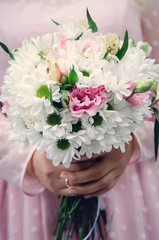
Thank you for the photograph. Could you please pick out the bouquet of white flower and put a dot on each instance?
(77, 92)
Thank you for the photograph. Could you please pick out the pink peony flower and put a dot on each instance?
(139, 99)
(87, 100)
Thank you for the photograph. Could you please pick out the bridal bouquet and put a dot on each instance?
(77, 92)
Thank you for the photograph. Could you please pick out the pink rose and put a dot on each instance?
(87, 100)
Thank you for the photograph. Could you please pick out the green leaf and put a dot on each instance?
(155, 86)
(120, 54)
(156, 137)
(41, 56)
(73, 77)
(55, 22)
(43, 91)
(79, 36)
(63, 87)
(63, 79)
(85, 73)
(132, 43)
(106, 54)
(91, 23)
(5, 48)
(155, 110)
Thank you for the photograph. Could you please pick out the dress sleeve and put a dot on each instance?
(150, 32)
(13, 161)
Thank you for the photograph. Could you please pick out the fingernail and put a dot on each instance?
(63, 176)
(72, 190)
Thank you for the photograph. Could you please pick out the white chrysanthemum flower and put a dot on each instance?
(118, 87)
(73, 29)
(89, 73)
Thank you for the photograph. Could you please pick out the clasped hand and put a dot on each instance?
(88, 177)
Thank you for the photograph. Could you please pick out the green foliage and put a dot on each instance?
(5, 48)
(43, 91)
(77, 215)
(121, 52)
(91, 23)
(55, 22)
(106, 54)
(73, 77)
(85, 73)
(64, 79)
(79, 36)
(156, 137)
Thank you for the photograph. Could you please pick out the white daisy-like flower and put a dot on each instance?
(62, 151)
(116, 86)
(93, 147)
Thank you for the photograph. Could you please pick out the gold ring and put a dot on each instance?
(67, 183)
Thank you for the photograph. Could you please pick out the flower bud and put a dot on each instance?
(64, 79)
(145, 46)
(143, 85)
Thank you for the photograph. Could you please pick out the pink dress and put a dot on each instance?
(27, 210)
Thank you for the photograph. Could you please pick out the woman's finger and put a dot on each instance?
(99, 168)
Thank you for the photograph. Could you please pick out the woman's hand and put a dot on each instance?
(102, 175)
(42, 169)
